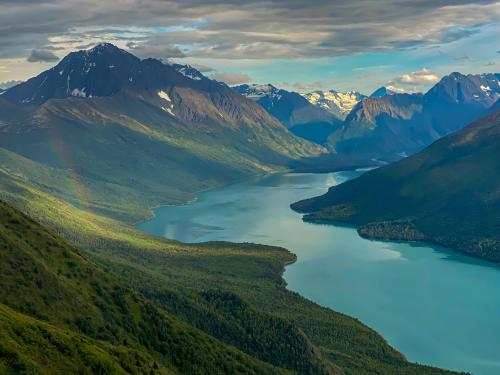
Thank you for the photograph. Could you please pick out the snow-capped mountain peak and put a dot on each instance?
(257, 91)
(338, 103)
(189, 71)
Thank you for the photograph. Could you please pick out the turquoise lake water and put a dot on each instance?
(436, 306)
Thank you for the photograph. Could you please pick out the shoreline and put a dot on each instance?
(428, 242)
(285, 263)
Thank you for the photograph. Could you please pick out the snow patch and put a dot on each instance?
(79, 93)
(169, 110)
(333, 100)
(162, 94)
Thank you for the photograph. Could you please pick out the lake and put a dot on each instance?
(436, 306)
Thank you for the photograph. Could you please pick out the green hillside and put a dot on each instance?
(88, 319)
(448, 194)
(230, 298)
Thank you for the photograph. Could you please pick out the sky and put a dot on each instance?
(297, 45)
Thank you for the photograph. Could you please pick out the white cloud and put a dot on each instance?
(399, 90)
(421, 77)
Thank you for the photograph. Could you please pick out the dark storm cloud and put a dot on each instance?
(256, 29)
(42, 55)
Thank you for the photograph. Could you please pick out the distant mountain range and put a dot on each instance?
(448, 194)
(338, 103)
(396, 125)
(101, 113)
(293, 111)
(384, 126)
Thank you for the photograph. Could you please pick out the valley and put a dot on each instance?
(222, 277)
(406, 292)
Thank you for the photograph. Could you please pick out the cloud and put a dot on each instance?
(257, 29)
(401, 90)
(162, 52)
(421, 77)
(490, 63)
(303, 87)
(203, 68)
(390, 86)
(8, 84)
(42, 55)
(462, 58)
(231, 78)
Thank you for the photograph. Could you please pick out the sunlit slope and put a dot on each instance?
(88, 313)
(222, 289)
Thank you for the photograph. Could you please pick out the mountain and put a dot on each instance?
(381, 91)
(101, 113)
(189, 71)
(459, 99)
(292, 110)
(448, 194)
(338, 103)
(396, 125)
(382, 127)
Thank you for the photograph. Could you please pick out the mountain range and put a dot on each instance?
(396, 125)
(100, 113)
(447, 194)
(293, 111)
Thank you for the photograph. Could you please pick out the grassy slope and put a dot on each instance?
(90, 318)
(28, 346)
(447, 194)
(192, 282)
